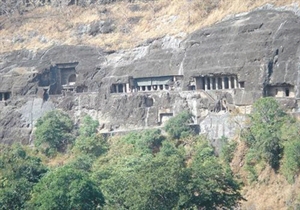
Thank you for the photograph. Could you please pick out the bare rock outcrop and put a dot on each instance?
(219, 69)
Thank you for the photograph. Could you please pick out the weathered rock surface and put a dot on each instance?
(258, 50)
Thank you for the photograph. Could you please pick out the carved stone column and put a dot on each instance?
(235, 82)
(223, 84)
(229, 82)
(211, 83)
(205, 83)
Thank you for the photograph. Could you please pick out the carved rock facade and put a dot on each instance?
(219, 69)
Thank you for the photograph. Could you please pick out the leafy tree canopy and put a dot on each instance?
(89, 142)
(291, 153)
(53, 132)
(66, 188)
(177, 127)
(165, 179)
(264, 134)
(88, 127)
(19, 172)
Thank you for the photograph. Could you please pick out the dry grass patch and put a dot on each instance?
(134, 22)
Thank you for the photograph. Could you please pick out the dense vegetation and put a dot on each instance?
(272, 138)
(145, 170)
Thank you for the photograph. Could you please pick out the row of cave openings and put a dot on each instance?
(147, 84)
(62, 77)
(216, 83)
(279, 91)
(124, 88)
(174, 82)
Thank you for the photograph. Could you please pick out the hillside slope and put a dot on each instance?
(125, 25)
(115, 26)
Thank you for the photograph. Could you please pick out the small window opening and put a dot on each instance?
(192, 87)
(287, 92)
(149, 87)
(226, 83)
(208, 83)
(120, 86)
(161, 87)
(149, 102)
(214, 83)
(220, 83)
(113, 89)
(232, 82)
(143, 88)
(72, 79)
(242, 84)
(45, 95)
(6, 96)
(202, 83)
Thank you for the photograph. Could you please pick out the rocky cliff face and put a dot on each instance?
(216, 70)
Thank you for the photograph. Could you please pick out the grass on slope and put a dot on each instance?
(134, 22)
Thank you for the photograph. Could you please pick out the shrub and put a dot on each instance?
(291, 160)
(146, 142)
(228, 149)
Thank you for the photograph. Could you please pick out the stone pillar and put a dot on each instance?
(223, 83)
(127, 87)
(205, 83)
(217, 83)
(117, 88)
(124, 88)
(211, 83)
(229, 82)
(235, 83)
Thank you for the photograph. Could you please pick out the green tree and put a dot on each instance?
(211, 184)
(291, 153)
(165, 179)
(264, 134)
(145, 142)
(177, 127)
(88, 127)
(53, 132)
(89, 141)
(66, 188)
(19, 172)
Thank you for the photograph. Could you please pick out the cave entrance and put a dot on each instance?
(164, 117)
(4, 96)
(287, 92)
(72, 79)
(226, 83)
